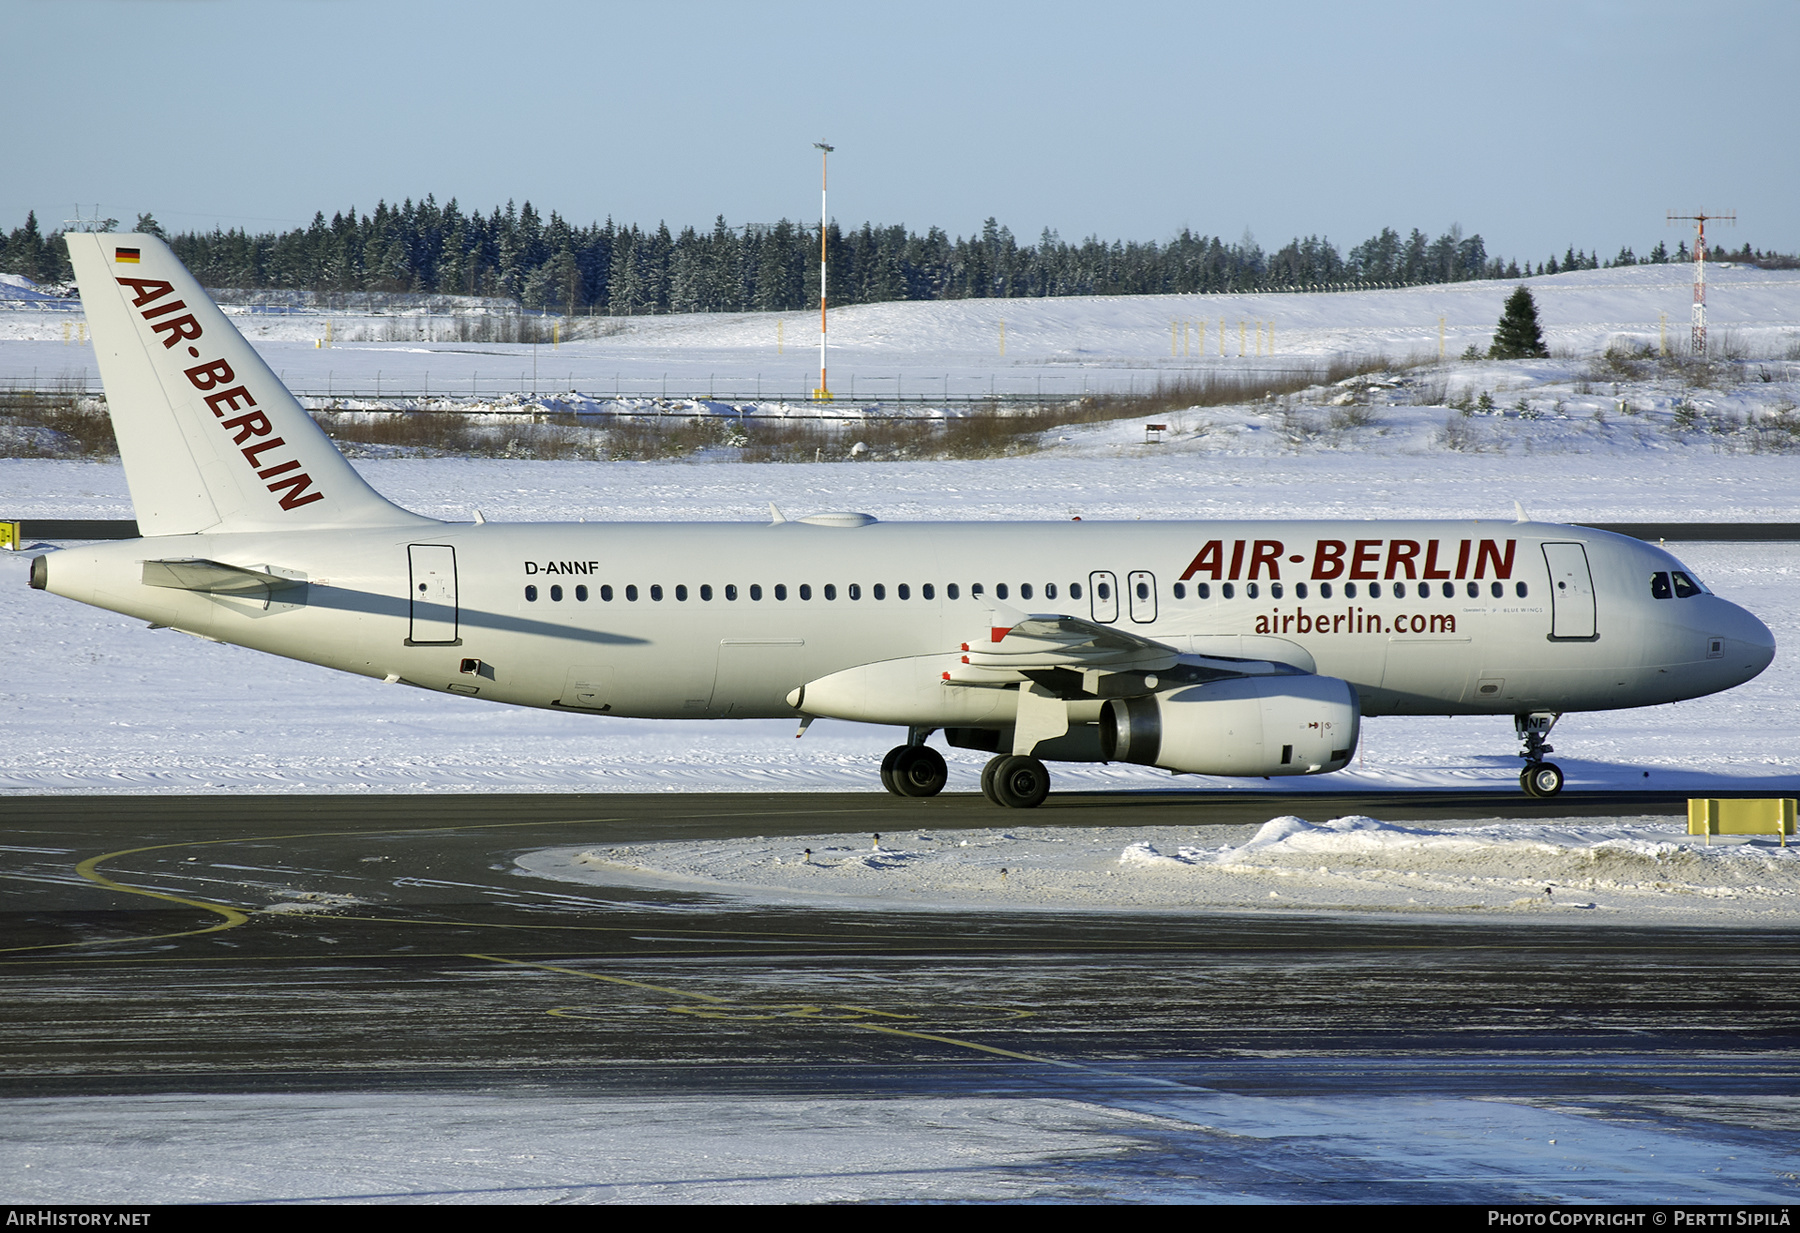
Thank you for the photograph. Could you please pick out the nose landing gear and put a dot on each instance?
(1539, 778)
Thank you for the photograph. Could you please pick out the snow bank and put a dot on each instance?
(1626, 869)
(1618, 856)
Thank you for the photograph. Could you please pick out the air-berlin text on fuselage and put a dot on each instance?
(1356, 560)
(214, 379)
(1355, 621)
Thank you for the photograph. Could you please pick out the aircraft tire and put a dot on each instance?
(919, 770)
(1021, 782)
(1544, 780)
(987, 777)
(887, 769)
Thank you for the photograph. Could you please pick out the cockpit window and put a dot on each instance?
(1659, 585)
(1684, 586)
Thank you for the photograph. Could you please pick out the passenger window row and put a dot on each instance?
(1662, 586)
(1253, 590)
(780, 591)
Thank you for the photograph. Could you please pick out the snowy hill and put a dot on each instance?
(966, 348)
(17, 288)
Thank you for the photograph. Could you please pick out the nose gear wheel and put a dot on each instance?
(1543, 780)
(1540, 779)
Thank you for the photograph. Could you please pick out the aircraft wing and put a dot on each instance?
(1047, 641)
(1070, 657)
(1066, 655)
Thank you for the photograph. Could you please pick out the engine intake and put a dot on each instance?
(1279, 725)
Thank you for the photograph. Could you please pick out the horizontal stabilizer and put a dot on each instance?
(193, 574)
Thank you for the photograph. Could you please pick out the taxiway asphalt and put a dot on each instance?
(288, 945)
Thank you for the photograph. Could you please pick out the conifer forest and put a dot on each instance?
(606, 268)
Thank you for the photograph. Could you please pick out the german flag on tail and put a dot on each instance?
(126, 255)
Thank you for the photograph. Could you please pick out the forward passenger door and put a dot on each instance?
(1571, 593)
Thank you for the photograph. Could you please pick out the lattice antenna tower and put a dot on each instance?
(78, 223)
(1700, 220)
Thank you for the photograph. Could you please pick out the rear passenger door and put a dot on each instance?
(433, 608)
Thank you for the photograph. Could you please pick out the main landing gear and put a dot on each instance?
(1017, 781)
(915, 768)
(1014, 781)
(1539, 778)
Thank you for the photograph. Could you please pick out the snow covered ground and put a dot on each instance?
(455, 1148)
(1629, 870)
(1052, 347)
(1164, 1142)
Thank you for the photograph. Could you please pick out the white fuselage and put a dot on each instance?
(708, 620)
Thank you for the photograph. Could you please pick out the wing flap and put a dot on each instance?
(1072, 657)
(1054, 641)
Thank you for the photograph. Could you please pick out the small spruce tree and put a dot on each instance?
(1517, 337)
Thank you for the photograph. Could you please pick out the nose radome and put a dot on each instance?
(1749, 641)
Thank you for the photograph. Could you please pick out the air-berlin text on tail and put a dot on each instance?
(214, 378)
(1356, 559)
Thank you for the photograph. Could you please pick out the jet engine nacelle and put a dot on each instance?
(1264, 725)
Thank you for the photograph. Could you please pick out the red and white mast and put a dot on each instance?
(1699, 220)
(823, 393)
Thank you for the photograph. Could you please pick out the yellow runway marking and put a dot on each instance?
(611, 980)
(970, 1044)
(750, 1013)
(836, 1012)
(235, 917)
(89, 869)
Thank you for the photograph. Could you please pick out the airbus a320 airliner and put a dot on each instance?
(1218, 648)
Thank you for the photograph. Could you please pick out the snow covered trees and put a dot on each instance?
(1518, 337)
(27, 252)
(625, 270)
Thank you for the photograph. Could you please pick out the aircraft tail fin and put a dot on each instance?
(210, 438)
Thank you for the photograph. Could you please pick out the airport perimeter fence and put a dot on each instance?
(46, 304)
(635, 397)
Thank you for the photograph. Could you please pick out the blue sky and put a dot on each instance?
(1540, 125)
